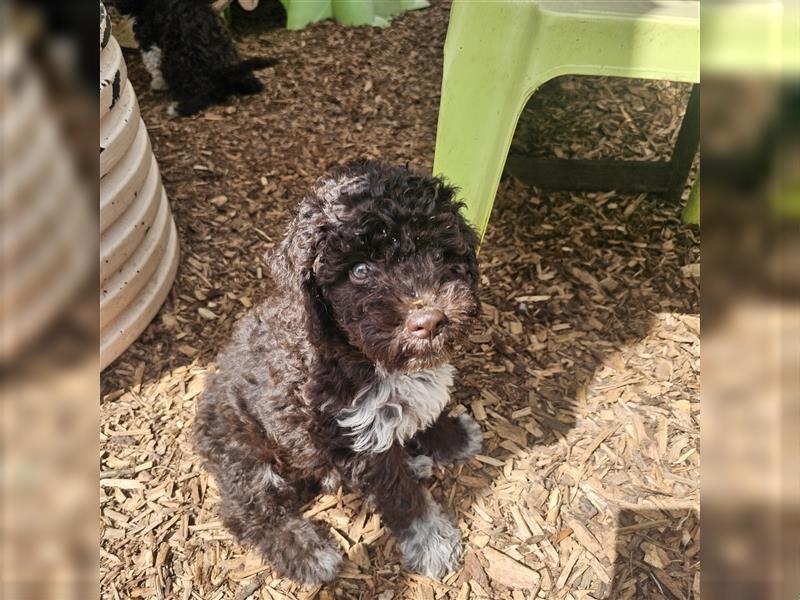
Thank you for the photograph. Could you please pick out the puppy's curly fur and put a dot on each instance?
(187, 49)
(327, 383)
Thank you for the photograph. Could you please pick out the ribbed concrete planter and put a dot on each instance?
(138, 241)
(45, 220)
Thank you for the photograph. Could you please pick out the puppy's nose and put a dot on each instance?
(424, 323)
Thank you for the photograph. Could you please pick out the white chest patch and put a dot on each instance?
(395, 407)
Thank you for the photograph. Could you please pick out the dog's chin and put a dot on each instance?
(413, 354)
(421, 363)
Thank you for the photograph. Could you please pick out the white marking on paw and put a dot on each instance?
(421, 466)
(331, 482)
(271, 479)
(395, 407)
(432, 544)
(152, 62)
(317, 559)
(324, 564)
(172, 109)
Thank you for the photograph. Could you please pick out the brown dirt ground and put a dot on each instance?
(583, 371)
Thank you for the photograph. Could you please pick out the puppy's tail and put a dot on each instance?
(248, 65)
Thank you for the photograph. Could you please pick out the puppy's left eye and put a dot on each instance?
(360, 272)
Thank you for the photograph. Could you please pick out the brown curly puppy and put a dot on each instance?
(342, 375)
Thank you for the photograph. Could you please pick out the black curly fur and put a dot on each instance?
(268, 422)
(199, 62)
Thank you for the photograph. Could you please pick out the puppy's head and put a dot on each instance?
(383, 259)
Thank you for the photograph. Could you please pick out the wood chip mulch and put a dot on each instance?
(583, 371)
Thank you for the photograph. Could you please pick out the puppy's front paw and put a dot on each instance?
(473, 438)
(304, 551)
(421, 466)
(432, 544)
(322, 565)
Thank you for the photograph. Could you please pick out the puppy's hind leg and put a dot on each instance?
(296, 547)
(240, 79)
(248, 84)
(259, 506)
(186, 107)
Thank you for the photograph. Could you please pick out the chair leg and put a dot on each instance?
(476, 125)
(691, 213)
(473, 156)
(685, 147)
(482, 98)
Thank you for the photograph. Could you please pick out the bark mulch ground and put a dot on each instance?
(583, 371)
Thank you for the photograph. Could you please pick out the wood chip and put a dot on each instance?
(507, 571)
(567, 570)
(123, 484)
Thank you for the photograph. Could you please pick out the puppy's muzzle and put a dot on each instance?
(425, 323)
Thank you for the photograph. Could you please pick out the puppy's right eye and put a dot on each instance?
(360, 272)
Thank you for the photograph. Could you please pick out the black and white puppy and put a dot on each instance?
(187, 49)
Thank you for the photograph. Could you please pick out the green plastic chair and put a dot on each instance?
(497, 54)
(377, 13)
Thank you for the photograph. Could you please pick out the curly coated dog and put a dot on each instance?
(186, 48)
(341, 377)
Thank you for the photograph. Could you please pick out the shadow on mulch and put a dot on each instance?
(585, 275)
(653, 549)
(582, 285)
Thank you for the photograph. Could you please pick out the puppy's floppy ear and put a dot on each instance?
(292, 260)
(295, 260)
